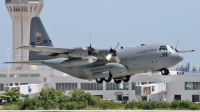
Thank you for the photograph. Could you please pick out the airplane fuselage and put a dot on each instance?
(134, 60)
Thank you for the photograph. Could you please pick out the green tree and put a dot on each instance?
(11, 95)
(187, 67)
(31, 104)
(51, 97)
(79, 95)
(194, 69)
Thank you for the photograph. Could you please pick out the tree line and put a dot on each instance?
(187, 68)
(78, 99)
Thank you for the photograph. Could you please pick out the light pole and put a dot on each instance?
(7, 49)
(198, 68)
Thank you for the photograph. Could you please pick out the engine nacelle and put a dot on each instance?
(77, 62)
(78, 52)
(100, 71)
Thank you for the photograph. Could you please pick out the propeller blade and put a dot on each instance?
(117, 45)
(177, 44)
(84, 48)
(90, 59)
(108, 57)
(108, 43)
(96, 50)
(90, 39)
(117, 59)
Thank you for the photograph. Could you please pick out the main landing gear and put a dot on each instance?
(116, 80)
(99, 80)
(164, 71)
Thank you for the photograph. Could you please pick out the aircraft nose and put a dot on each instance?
(176, 58)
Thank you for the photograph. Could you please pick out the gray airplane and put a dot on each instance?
(100, 64)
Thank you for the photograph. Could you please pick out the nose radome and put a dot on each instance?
(176, 58)
(180, 57)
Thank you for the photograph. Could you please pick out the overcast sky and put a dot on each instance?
(130, 22)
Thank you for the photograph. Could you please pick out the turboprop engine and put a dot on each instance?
(78, 62)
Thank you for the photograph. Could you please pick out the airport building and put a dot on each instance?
(140, 87)
(178, 86)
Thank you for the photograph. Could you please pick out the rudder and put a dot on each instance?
(38, 37)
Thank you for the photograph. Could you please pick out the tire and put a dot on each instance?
(99, 80)
(117, 81)
(127, 78)
(167, 72)
(108, 79)
(164, 71)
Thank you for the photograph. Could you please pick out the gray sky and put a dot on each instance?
(130, 22)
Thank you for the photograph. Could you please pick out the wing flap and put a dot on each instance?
(27, 62)
(46, 49)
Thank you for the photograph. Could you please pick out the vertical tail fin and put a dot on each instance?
(38, 37)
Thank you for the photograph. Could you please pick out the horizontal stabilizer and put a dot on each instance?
(185, 51)
(27, 62)
(45, 49)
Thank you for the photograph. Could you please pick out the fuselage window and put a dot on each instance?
(163, 48)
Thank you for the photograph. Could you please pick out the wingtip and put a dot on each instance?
(5, 62)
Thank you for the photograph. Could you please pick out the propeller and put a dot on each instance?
(90, 50)
(177, 45)
(113, 53)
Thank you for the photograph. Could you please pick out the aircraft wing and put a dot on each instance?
(185, 51)
(71, 53)
(49, 51)
(27, 62)
(45, 49)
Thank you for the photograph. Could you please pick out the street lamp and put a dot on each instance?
(7, 49)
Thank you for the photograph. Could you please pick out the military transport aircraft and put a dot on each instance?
(100, 64)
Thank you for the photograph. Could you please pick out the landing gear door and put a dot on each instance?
(81, 71)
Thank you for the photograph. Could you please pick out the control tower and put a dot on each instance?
(21, 13)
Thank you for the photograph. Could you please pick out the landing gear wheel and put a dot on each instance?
(108, 79)
(126, 78)
(99, 80)
(117, 81)
(164, 71)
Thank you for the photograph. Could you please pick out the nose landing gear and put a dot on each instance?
(164, 71)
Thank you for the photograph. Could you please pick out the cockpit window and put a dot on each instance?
(163, 48)
(170, 48)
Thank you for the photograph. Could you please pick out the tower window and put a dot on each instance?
(31, 8)
(10, 8)
(35, 8)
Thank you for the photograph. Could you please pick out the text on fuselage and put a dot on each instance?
(146, 51)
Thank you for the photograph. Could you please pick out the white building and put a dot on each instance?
(184, 87)
(21, 13)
